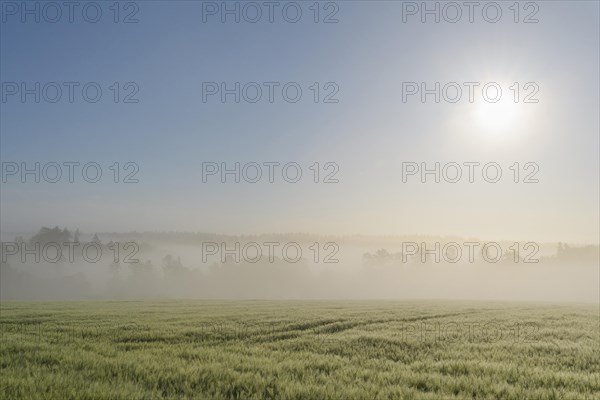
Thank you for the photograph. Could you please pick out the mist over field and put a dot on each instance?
(208, 266)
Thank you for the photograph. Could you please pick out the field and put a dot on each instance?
(298, 350)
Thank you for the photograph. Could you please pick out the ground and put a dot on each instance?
(299, 350)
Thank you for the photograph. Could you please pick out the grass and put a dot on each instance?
(298, 350)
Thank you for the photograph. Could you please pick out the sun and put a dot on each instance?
(498, 118)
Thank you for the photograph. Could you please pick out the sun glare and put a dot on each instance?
(498, 118)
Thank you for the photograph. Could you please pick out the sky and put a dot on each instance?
(363, 61)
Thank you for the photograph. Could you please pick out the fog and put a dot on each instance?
(294, 266)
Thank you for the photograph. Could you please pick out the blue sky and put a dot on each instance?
(369, 133)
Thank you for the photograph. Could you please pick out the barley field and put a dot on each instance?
(298, 350)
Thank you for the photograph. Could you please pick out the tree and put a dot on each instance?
(54, 235)
(96, 239)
